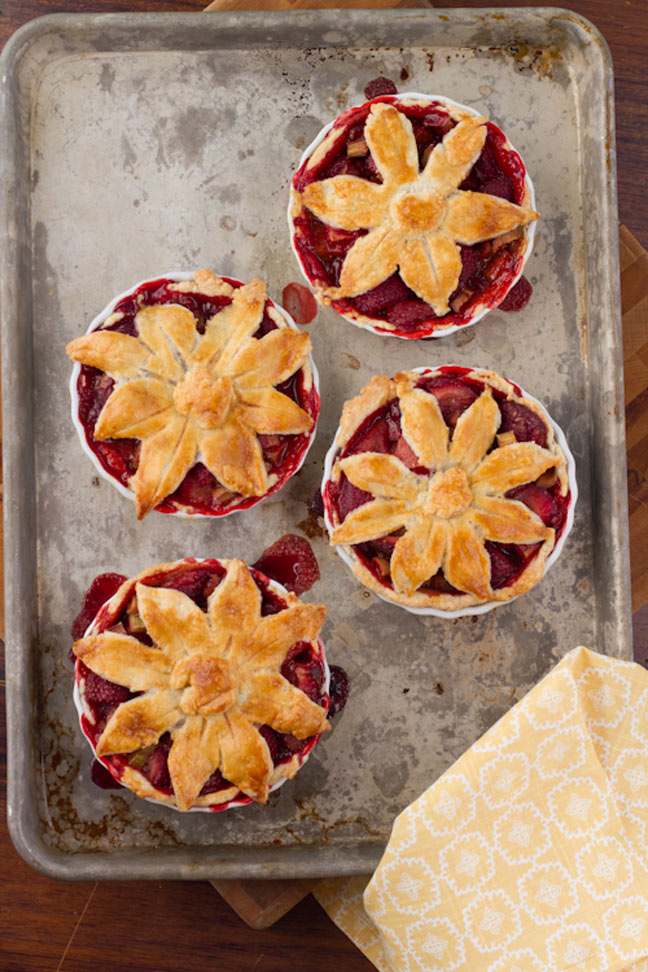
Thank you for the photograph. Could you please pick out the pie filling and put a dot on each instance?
(303, 666)
(487, 268)
(200, 491)
(455, 390)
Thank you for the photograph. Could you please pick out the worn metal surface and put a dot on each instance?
(139, 142)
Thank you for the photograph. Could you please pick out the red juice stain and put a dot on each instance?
(299, 302)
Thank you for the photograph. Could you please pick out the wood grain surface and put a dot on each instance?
(46, 926)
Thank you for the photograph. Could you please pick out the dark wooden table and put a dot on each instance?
(46, 926)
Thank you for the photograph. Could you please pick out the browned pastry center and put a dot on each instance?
(204, 396)
(415, 213)
(448, 494)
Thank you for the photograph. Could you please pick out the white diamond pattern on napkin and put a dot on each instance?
(447, 805)
(491, 921)
(606, 868)
(601, 697)
(521, 833)
(433, 945)
(468, 864)
(548, 894)
(578, 806)
(637, 777)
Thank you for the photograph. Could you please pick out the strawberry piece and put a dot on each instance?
(539, 501)
(503, 569)
(439, 583)
(290, 561)
(406, 454)
(518, 296)
(388, 292)
(101, 590)
(338, 689)
(272, 741)
(303, 670)
(99, 691)
(349, 497)
(453, 397)
(156, 768)
(215, 783)
(484, 168)
(500, 185)
(292, 743)
(102, 777)
(469, 266)
(439, 122)
(379, 87)
(408, 314)
(299, 302)
(373, 437)
(525, 424)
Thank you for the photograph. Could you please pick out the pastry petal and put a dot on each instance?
(124, 660)
(508, 521)
(162, 361)
(269, 412)
(165, 459)
(235, 606)
(423, 426)
(372, 259)
(348, 202)
(512, 465)
(136, 409)
(381, 475)
(270, 360)
(192, 760)
(174, 321)
(418, 554)
(452, 159)
(119, 355)
(474, 432)
(174, 622)
(274, 702)
(475, 216)
(234, 456)
(390, 137)
(376, 519)
(228, 330)
(277, 633)
(245, 757)
(431, 267)
(139, 722)
(467, 564)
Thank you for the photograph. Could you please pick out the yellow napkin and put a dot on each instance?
(529, 854)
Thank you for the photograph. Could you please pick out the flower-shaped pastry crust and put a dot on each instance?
(448, 515)
(198, 397)
(210, 679)
(414, 218)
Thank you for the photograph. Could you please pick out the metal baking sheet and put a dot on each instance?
(134, 144)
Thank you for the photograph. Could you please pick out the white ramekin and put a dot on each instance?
(177, 276)
(348, 557)
(230, 804)
(530, 229)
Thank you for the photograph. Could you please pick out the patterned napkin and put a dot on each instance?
(529, 854)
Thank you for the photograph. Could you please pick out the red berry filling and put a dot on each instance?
(303, 667)
(487, 268)
(200, 491)
(381, 432)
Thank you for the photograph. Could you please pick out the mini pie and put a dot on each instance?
(203, 683)
(411, 215)
(195, 395)
(447, 489)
